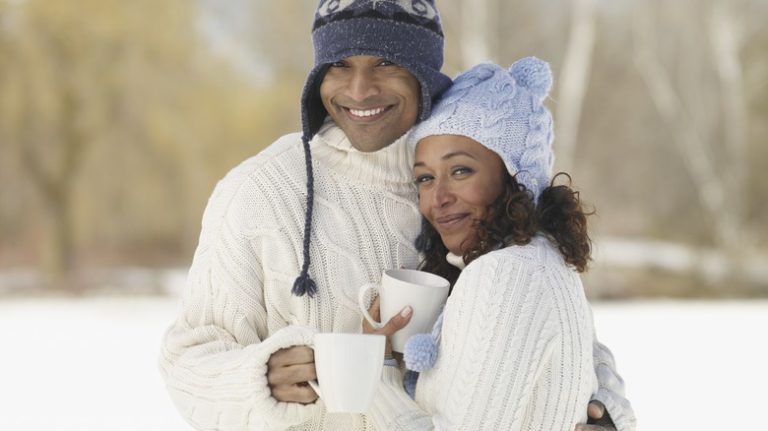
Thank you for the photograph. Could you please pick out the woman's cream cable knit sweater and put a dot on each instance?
(515, 351)
(237, 307)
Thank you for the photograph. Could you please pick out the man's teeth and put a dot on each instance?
(366, 112)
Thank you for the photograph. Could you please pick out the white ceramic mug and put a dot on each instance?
(426, 293)
(348, 370)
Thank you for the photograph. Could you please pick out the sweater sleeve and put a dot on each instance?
(513, 355)
(611, 389)
(214, 357)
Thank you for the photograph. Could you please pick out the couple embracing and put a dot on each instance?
(397, 167)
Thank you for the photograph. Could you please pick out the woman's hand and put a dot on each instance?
(395, 324)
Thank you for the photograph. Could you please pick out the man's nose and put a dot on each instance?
(363, 85)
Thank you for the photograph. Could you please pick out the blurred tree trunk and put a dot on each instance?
(574, 79)
(52, 161)
(479, 32)
(726, 43)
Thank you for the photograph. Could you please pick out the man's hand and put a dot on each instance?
(288, 372)
(395, 324)
(599, 419)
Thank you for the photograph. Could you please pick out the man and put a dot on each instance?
(339, 197)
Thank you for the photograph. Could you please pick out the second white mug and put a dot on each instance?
(426, 293)
(348, 370)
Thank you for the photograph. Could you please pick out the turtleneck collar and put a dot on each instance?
(391, 164)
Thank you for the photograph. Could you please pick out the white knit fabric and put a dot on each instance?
(515, 351)
(237, 308)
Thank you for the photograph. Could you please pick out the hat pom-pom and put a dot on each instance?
(533, 74)
(420, 352)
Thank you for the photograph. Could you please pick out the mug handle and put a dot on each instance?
(363, 309)
(315, 387)
(314, 383)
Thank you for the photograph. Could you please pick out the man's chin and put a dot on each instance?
(372, 140)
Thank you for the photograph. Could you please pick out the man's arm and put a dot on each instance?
(215, 357)
(611, 391)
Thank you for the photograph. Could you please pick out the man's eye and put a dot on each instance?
(386, 63)
(338, 64)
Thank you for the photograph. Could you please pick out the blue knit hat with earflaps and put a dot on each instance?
(504, 111)
(406, 32)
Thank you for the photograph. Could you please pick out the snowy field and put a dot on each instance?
(90, 364)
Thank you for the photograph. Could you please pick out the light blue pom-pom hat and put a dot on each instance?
(503, 110)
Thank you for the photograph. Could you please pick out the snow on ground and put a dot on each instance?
(90, 364)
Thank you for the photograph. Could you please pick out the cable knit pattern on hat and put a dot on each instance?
(503, 110)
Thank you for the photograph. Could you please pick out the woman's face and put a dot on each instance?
(458, 179)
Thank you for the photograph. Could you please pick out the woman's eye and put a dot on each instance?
(421, 179)
(462, 170)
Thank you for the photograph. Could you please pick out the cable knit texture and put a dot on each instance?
(503, 110)
(237, 307)
(516, 350)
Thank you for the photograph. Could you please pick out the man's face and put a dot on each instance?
(372, 99)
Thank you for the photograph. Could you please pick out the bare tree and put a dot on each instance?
(52, 138)
(478, 31)
(726, 42)
(574, 79)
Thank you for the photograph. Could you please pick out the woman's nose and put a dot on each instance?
(443, 195)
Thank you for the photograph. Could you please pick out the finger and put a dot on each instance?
(397, 322)
(375, 310)
(595, 409)
(291, 356)
(291, 375)
(294, 393)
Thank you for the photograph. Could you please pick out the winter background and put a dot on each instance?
(117, 118)
(91, 364)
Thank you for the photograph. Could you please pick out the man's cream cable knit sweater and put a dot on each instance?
(237, 307)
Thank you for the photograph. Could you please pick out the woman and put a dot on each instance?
(513, 349)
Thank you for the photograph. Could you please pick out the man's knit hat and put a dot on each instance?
(503, 110)
(406, 32)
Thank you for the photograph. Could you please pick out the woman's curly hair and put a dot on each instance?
(514, 218)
